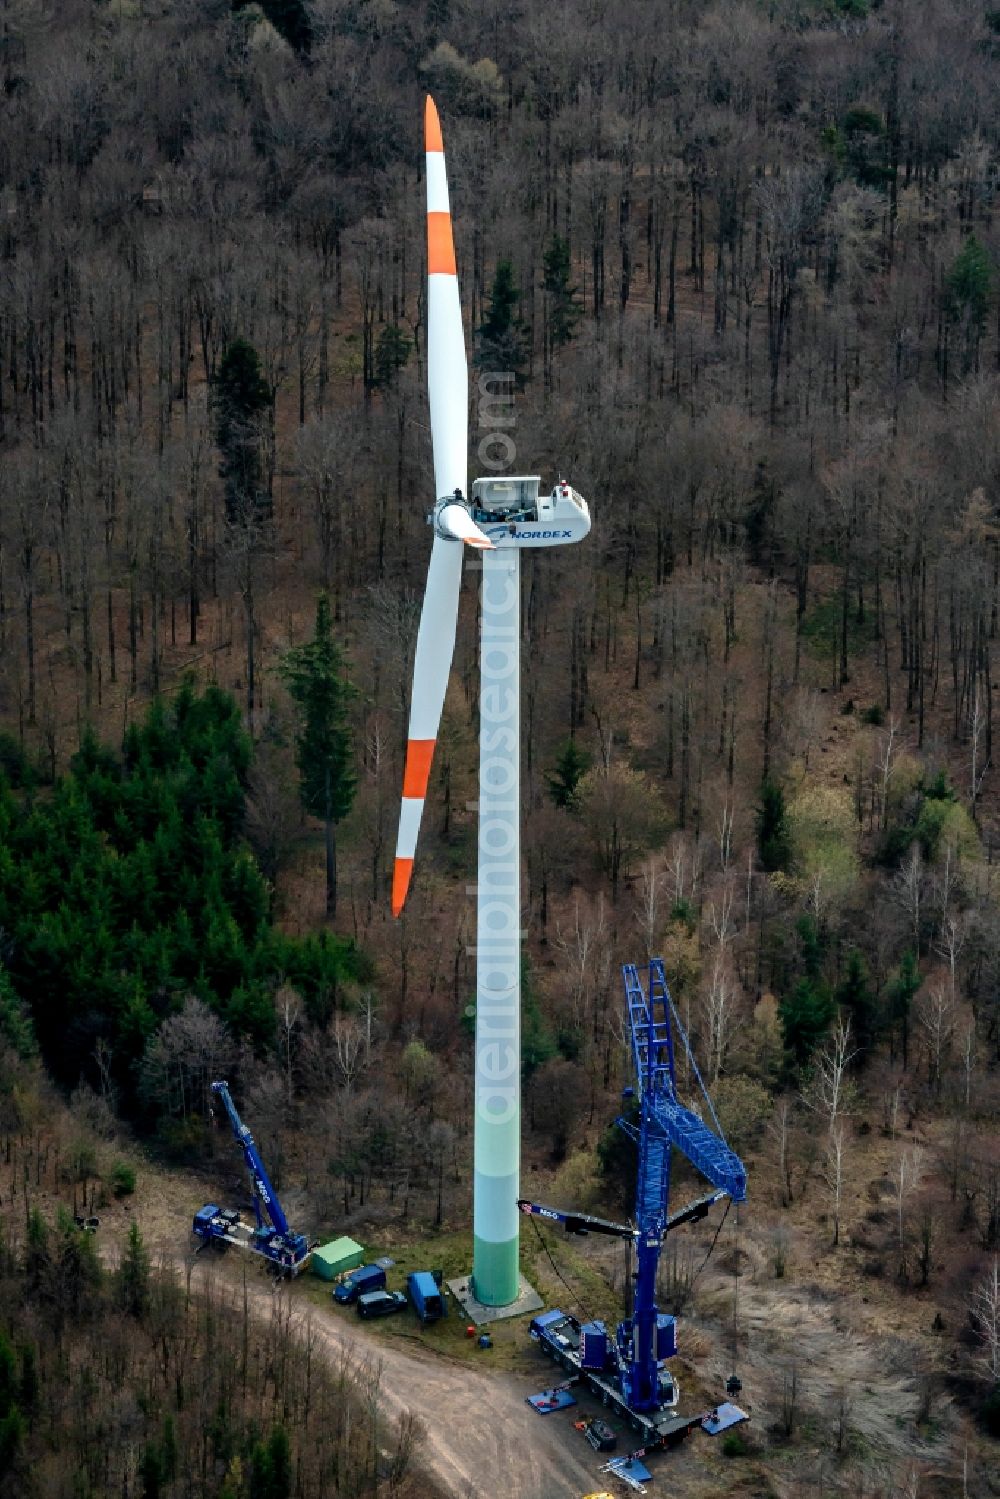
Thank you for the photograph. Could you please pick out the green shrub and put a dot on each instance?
(991, 1412)
(743, 1107)
(618, 1159)
(185, 1142)
(122, 1180)
(733, 1445)
(15, 764)
(931, 815)
(682, 910)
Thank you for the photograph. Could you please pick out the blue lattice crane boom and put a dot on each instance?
(272, 1238)
(665, 1124)
(630, 1372)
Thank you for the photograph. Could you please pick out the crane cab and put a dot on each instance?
(513, 512)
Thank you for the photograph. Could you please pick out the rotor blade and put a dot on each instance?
(431, 668)
(448, 395)
(447, 370)
(457, 521)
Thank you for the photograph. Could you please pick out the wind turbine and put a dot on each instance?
(502, 516)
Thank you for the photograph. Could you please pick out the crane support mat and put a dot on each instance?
(629, 1469)
(551, 1400)
(722, 1418)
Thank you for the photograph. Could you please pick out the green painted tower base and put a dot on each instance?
(495, 1275)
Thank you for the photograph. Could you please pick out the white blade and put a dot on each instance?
(448, 393)
(431, 669)
(447, 369)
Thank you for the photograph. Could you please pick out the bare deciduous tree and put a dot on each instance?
(936, 1013)
(290, 1012)
(834, 1169)
(183, 1059)
(828, 1092)
(909, 887)
(648, 905)
(719, 1013)
(985, 1307)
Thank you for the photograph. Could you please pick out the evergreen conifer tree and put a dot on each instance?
(30, 1384)
(11, 1436)
(571, 766)
(324, 748)
(806, 1014)
(500, 336)
(168, 1449)
(969, 282)
(773, 840)
(16, 1028)
(280, 1460)
(902, 988)
(133, 1275)
(151, 1472)
(854, 994)
(564, 306)
(8, 1374)
(260, 1472)
(240, 398)
(391, 354)
(812, 944)
(290, 19)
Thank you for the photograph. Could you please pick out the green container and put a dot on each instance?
(333, 1259)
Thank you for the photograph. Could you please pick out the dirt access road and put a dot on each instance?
(483, 1441)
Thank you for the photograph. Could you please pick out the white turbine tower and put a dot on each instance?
(500, 517)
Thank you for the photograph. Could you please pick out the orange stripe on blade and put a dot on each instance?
(440, 245)
(432, 127)
(419, 754)
(401, 872)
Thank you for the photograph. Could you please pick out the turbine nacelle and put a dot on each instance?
(511, 512)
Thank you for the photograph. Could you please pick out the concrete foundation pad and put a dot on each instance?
(527, 1300)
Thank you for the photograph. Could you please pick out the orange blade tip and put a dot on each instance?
(402, 870)
(433, 140)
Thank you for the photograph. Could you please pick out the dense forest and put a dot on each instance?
(739, 264)
(125, 1382)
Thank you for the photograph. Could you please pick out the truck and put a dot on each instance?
(286, 1251)
(359, 1282)
(426, 1296)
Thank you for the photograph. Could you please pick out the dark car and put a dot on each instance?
(381, 1303)
(360, 1281)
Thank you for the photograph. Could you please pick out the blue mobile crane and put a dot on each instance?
(272, 1238)
(627, 1371)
